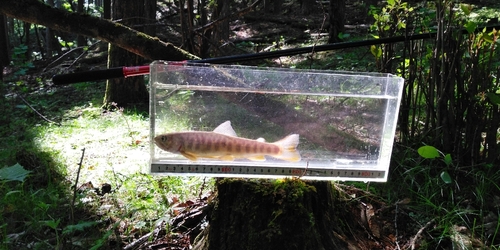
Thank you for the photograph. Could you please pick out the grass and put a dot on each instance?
(457, 208)
(39, 212)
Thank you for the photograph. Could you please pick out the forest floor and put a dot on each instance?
(385, 222)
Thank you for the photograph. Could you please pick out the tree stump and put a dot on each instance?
(278, 214)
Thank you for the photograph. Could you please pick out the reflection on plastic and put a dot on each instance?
(346, 121)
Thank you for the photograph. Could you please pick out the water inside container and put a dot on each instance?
(345, 121)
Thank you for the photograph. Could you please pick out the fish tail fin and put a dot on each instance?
(288, 148)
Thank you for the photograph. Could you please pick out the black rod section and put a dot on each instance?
(88, 76)
(326, 47)
(318, 48)
(118, 72)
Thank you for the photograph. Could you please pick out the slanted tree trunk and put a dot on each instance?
(35, 11)
(125, 91)
(281, 214)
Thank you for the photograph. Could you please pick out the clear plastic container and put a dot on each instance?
(345, 121)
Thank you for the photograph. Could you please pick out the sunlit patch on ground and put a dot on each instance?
(111, 145)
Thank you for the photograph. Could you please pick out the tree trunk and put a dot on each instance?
(150, 14)
(267, 6)
(125, 91)
(34, 11)
(281, 214)
(221, 30)
(80, 40)
(4, 50)
(277, 4)
(204, 40)
(337, 20)
(186, 20)
(27, 41)
(106, 14)
(306, 6)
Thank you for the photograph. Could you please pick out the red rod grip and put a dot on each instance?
(135, 71)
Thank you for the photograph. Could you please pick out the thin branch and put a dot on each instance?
(76, 186)
(39, 114)
(414, 239)
(63, 56)
(139, 242)
(69, 52)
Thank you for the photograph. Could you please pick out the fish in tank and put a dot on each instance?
(346, 121)
(223, 144)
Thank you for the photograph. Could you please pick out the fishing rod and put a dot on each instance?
(119, 72)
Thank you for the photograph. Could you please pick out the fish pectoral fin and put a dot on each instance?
(257, 158)
(190, 156)
(226, 158)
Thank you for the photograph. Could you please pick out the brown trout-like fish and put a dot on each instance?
(223, 144)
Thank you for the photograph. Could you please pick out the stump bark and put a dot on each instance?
(278, 214)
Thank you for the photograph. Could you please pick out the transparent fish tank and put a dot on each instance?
(346, 121)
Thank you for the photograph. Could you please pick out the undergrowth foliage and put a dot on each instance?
(451, 103)
(451, 84)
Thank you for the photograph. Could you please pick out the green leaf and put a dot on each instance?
(465, 8)
(428, 152)
(343, 36)
(488, 38)
(448, 160)
(470, 26)
(81, 226)
(13, 173)
(494, 98)
(376, 51)
(446, 177)
(12, 193)
(391, 2)
(52, 223)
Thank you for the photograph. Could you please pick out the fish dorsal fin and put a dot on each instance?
(225, 129)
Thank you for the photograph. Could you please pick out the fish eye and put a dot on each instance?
(163, 138)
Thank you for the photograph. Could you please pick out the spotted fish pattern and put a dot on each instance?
(223, 144)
